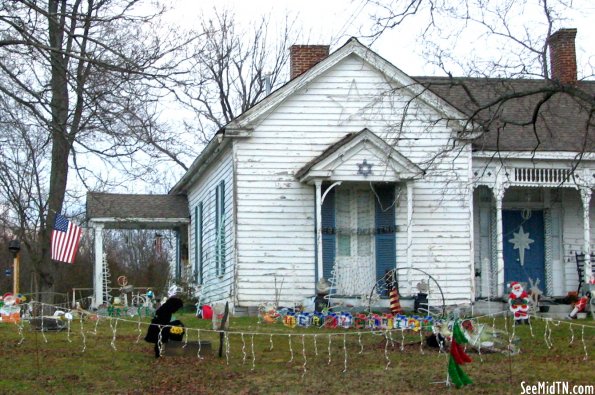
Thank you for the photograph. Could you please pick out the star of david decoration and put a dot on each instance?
(364, 168)
(521, 242)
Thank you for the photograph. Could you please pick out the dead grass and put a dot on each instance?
(60, 366)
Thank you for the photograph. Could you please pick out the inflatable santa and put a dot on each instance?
(518, 302)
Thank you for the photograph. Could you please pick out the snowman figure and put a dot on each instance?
(518, 302)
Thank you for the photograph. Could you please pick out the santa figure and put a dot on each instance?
(518, 302)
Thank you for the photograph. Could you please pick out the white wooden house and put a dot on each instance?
(354, 168)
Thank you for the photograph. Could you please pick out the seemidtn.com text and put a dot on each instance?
(557, 388)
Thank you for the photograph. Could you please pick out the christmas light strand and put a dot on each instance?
(315, 345)
(114, 328)
(345, 353)
(68, 331)
(572, 335)
(386, 353)
(359, 340)
(584, 344)
(253, 354)
(545, 334)
(140, 333)
(304, 356)
(329, 350)
(83, 334)
(244, 355)
(19, 325)
(290, 350)
(199, 345)
(227, 347)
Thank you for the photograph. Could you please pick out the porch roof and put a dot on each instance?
(137, 211)
(361, 156)
(507, 107)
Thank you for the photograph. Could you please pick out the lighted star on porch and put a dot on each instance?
(521, 242)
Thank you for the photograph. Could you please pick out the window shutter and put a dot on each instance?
(328, 234)
(198, 255)
(386, 252)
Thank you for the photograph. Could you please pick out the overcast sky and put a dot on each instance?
(334, 21)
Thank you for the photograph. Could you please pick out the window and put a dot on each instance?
(220, 229)
(198, 253)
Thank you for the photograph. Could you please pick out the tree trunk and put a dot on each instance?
(60, 141)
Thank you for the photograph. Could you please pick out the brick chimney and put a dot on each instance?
(303, 57)
(563, 56)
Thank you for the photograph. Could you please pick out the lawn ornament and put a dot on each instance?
(580, 305)
(518, 301)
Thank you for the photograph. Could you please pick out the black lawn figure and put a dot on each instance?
(159, 322)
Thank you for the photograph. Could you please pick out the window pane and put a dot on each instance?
(343, 222)
(364, 224)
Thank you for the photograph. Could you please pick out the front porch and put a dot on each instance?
(529, 223)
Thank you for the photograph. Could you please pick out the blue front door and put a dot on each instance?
(524, 256)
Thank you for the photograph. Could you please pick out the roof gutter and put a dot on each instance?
(202, 162)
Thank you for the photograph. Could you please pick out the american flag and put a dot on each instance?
(65, 239)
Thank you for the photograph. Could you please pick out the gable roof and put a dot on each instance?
(562, 125)
(249, 118)
(340, 161)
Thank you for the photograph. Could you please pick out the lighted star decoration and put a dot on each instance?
(521, 242)
(353, 96)
(364, 168)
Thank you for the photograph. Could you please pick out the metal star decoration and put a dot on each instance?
(364, 168)
(521, 242)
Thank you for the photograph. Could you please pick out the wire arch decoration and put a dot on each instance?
(390, 279)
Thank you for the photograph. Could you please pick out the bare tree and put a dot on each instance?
(235, 69)
(505, 83)
(78, 79)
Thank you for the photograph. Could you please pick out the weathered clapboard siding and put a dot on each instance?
(573, 234)
(347, 98)
(215, 287)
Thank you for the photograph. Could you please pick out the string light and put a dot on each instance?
(345, 353)
(386, 353)
(140, 333)
(304, 355)
(584, 344)
(227, 347)
(545, 334)
(19, 325)
(359, 340)
(160, 341)
(530, 327)
(253, 355)
(388, 334)
(402, 340)
(329, 350)
(43, 327)
(83, 333)
(199, 345)
(68, 331)
(290, 350)
(243, 350)
(185, 339)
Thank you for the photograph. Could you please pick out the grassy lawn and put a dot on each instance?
(112, 361)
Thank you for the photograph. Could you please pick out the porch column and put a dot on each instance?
(98, 269)
(409, 186)
(586, 199)
(318, 185)
(499, 196)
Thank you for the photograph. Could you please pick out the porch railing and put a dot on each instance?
(527, 175)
